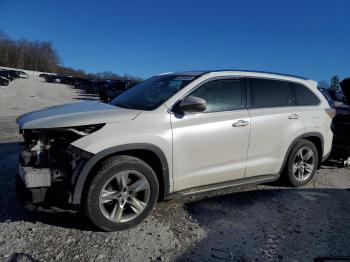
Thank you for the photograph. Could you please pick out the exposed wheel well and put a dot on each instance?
(319, 146)
(314, 138)
(147, 156)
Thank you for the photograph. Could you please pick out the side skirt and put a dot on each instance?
(223, 185)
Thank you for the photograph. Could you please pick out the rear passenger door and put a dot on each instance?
(275, 122)
(308, 103)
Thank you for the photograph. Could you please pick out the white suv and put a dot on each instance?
(175, 133)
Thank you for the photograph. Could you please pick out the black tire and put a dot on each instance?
(288, 174)
(107, 169)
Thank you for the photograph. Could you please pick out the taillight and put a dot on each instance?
(331, 112)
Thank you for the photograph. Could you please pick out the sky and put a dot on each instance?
(142, 38)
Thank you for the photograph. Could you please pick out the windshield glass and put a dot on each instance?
(152, 92)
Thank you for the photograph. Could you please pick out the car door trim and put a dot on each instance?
(225, 185)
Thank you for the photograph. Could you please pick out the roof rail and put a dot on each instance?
(257, 71)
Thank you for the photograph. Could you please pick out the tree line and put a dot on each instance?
(41, 56)
(333, 84)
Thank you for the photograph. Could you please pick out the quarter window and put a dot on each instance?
(221, 95)
(269, 93)
(304, 96)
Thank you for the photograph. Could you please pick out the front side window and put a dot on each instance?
(152, 92)
(265, 93)
(221, 95)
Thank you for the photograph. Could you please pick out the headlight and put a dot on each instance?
(78, 153)
(85, 130)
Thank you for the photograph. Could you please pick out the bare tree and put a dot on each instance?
(41, 56)
(334, 83)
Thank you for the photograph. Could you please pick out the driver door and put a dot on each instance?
(211, 146)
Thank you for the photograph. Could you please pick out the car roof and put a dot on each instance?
(202, 72)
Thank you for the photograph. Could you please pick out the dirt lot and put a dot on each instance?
(258, 223)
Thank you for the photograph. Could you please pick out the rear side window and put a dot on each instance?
(269, 93)
(221, 95)
(304, 96)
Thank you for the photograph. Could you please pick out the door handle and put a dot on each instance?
(240, 123)
(293, 117)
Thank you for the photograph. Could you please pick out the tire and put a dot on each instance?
(113, 201)
(296, 165)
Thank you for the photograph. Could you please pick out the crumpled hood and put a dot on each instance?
(76, 114)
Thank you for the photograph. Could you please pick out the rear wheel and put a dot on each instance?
(302, 163)
(122, 194)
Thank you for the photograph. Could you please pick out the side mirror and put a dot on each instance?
(192, 104)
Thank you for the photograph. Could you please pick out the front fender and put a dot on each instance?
(79, 179)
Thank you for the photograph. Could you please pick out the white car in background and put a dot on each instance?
(174, 134)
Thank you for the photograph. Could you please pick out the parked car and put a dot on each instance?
(43, 75)
(70, 80)
(340, 96)
(9, 74)
(53, 78)
(174, 134)
(113, 88)
(95, 86)
(4, 81)
(77, 82)
(23, 74)
(6, 75)
(86, 85)
(328, 97)
(13, 74)
(341, 122)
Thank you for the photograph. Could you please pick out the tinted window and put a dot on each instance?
(221, 95)
(269, 93)
(304, 96)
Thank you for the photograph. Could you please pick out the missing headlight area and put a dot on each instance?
(48, 159)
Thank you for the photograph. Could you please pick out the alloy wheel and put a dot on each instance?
(124, 196)
(303, 164)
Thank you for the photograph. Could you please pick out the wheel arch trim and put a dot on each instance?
(78, 185)
(305, 135)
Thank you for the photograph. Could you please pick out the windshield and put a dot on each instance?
(152, 92)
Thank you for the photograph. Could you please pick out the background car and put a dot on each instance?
(341, 122)
(23, 74)
(328, 97)
(53, 78)
(340, 96)
(4, 81)
(113, 88)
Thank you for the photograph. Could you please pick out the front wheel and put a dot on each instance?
(302, 163)
(122, 194)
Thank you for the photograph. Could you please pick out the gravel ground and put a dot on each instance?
(257, 223)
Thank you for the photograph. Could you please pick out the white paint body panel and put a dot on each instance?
(207, 149)
(203, 149)
(272, 132)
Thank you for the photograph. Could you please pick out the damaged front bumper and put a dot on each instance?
(49, 185)
(29, 195)
(35, 177)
